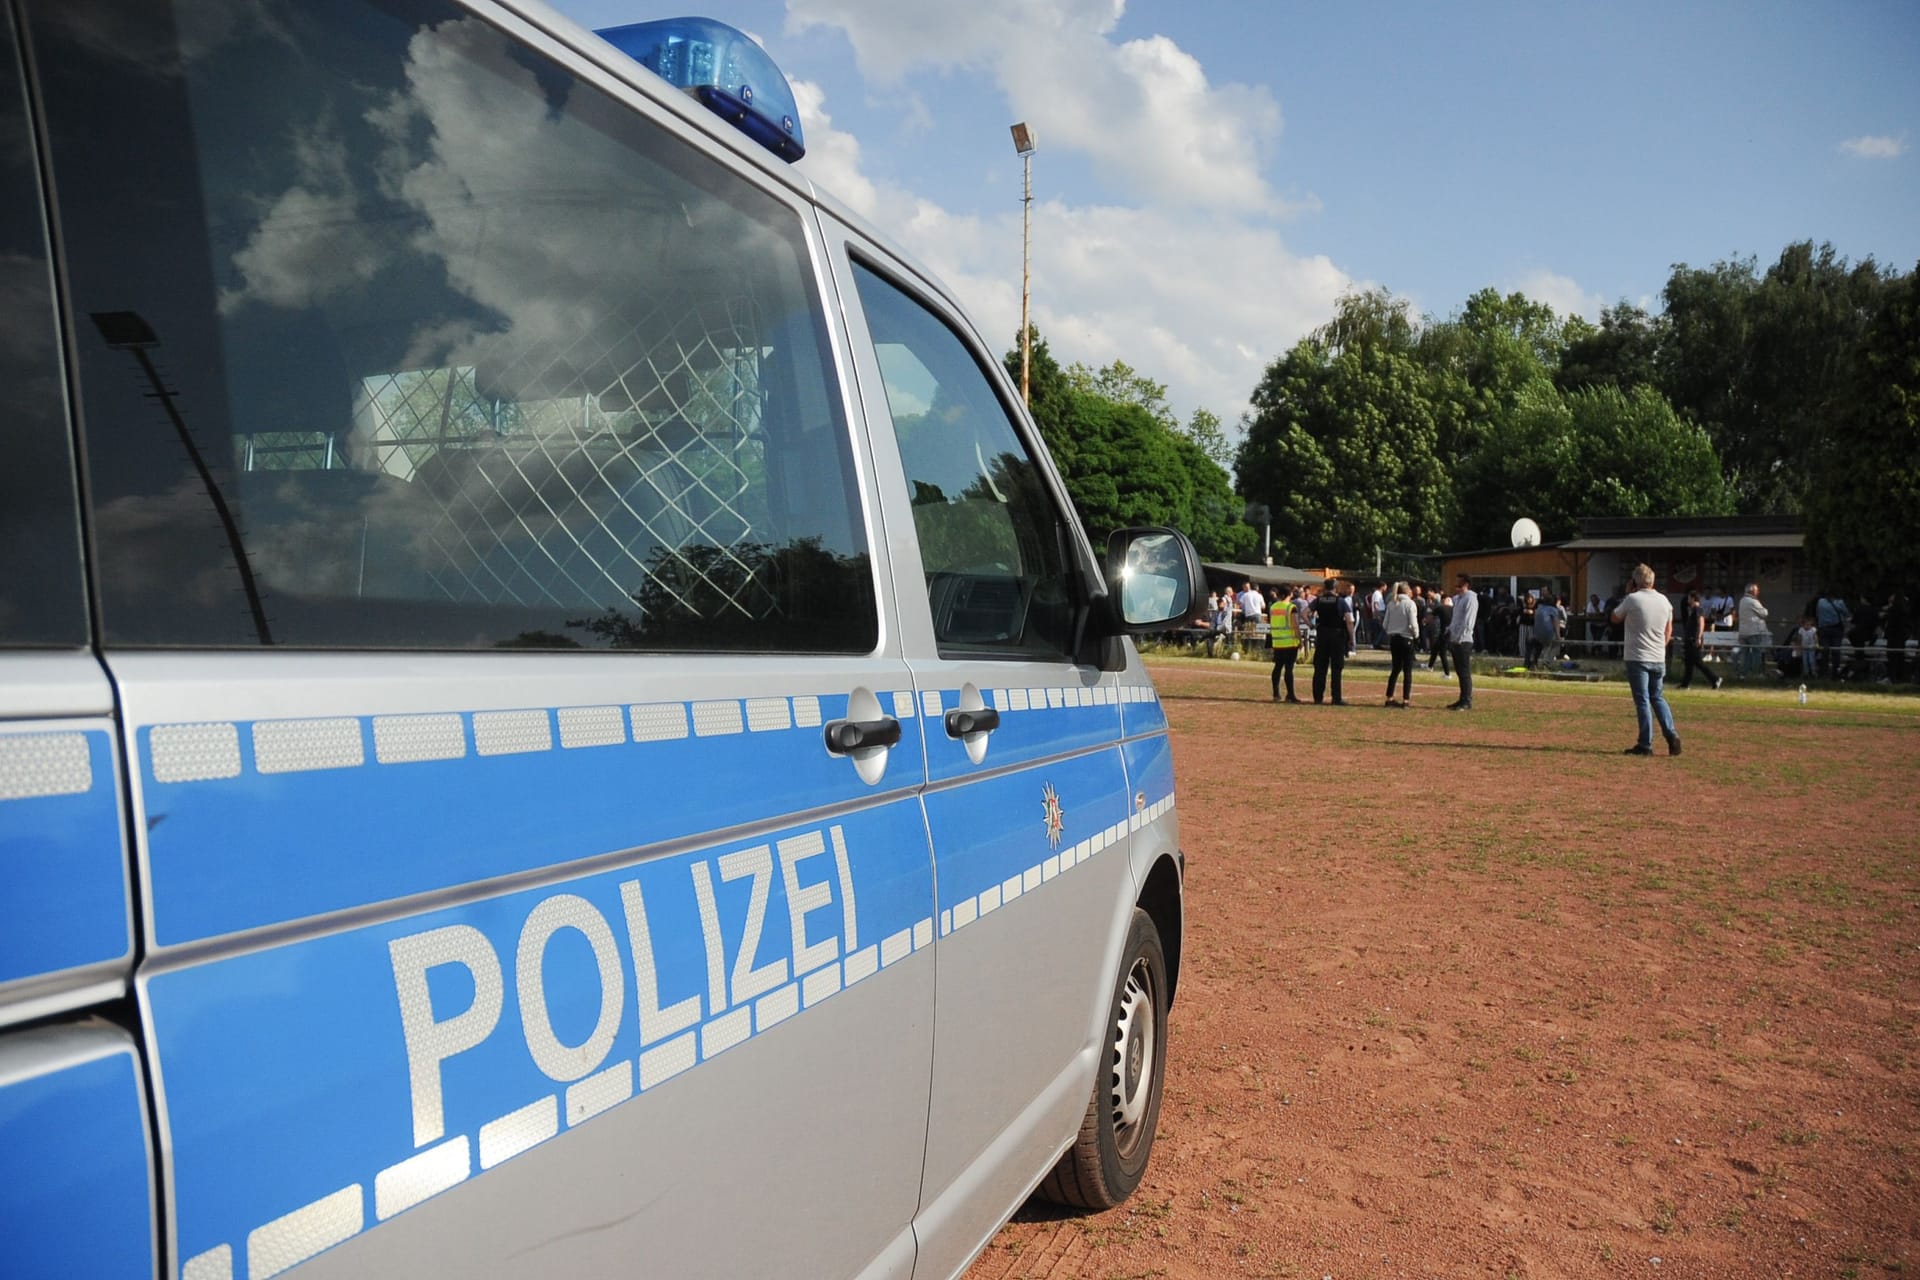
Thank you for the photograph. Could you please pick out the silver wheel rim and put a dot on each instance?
(1133, 1061)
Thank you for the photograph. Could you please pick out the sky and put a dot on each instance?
(1211, 175)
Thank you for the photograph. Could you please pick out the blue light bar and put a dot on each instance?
(724, 69)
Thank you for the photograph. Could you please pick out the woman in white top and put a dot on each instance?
(1402, 624)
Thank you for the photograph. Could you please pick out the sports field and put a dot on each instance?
(1476, 995)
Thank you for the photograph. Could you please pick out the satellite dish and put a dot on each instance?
(1525, 533)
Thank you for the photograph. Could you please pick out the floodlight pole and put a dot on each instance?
(1024, 144)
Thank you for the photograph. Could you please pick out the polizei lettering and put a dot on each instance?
(679, 952)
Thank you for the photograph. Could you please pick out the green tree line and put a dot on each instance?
(1789, 390)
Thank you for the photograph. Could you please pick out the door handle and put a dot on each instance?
(844, 737)
(981, 720)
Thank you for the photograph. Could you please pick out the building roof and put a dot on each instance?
(1266, 575)
(1506, 551)
(1666, 528)
(1634, 533)
(1703, 542)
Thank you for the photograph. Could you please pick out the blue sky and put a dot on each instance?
(1211, 176)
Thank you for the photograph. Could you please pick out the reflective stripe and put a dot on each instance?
(1280, 625)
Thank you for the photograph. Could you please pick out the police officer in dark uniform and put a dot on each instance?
(1333, 622)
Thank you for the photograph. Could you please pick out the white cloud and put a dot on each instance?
(1191, 284)
(1200, 302)
(1874, 147)
(1142, 110)
(833, 156)
(1562, 293)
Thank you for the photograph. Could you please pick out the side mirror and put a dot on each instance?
(1151, 578)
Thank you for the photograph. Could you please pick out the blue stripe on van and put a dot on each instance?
(997, 843)
(1143, 712)
(313, 1090)
(260, 822)
(1150, 766)
(1034, 722)
(75, 1173)
(63, 864)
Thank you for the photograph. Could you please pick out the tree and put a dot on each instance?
(1123, 458)
(1597, 452)
(1484, 359)
(1762, 362)
(1343, 441)
(1863, 499)
(1203, 428)
(1215, 515)
(1120, 383)
(1622, 351)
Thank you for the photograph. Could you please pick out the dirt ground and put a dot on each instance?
(1476, 995)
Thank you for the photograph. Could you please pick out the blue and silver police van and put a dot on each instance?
(555, 717)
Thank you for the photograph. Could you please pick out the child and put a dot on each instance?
(1806, 645)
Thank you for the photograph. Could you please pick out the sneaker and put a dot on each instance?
(1673, 745)
(1291, 698)
(1717, 682)
(1637, 750)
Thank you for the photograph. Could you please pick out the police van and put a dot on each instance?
(555, 717)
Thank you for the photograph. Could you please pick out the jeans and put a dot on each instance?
(1463, 664)
(1647, 680)
(1753, 653)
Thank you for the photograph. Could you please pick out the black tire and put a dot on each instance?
(1106, 1161)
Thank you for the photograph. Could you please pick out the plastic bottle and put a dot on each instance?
(1803, 695)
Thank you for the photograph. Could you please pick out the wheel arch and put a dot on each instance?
(1161, 898)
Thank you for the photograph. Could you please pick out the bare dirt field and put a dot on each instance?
(1476, 995)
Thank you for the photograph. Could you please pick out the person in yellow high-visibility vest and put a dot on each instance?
(1283, 628)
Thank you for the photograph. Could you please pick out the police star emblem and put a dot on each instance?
(1056, 817)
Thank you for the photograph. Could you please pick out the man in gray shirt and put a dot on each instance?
(1755, 635)
(1466, 610)
(1648, 619)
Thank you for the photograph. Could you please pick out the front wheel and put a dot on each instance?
(1106, 1161)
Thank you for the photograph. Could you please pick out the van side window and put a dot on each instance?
(991, 542)
(428, 343)
(42, 587)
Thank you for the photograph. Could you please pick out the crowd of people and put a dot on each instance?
(1832, 638)
(1409, 620)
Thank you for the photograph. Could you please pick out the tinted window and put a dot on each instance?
(42, 594)
(394, 333)
(993, 546)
